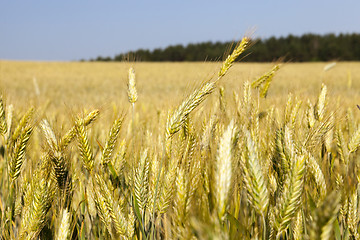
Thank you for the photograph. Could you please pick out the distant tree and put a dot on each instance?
(308, 47)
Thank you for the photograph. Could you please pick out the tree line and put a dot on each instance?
(308, 47)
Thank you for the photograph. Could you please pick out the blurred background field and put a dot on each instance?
(73, 86)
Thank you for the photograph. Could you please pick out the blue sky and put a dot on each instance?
(71, 30)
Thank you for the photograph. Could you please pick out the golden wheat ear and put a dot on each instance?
(321, 103)
(239, 49)
(223, 172)
(71, 134)
(179, 116)
(354, 141)
(24, 121)
(264, 81)
(132, 93)
(64, 228)
(3, 127)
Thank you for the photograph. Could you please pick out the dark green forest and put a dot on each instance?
(305, 48)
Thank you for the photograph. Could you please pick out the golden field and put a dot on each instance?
(191, 156)
(162, 85)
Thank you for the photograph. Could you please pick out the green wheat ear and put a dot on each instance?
(84, 145)
(109, 210)
(112, 138)
(290, 201)
(254, 178)
(141, 182)
(37, 202)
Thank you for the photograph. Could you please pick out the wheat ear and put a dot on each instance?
(70, 135)
(132, 93)
(110, 144)
(298, 226)
(291, 199)
(49, 135)
(265, 80)
(24, 121)
(254, 178)
(108, 209)
(340, 144)
(181, 202)
(3, 127)
(353, 218)
(167, 190)
(223, 174)
(64, 229)
(240, 48)
(310, 115)
(321, 103)
(141, 181)
(84, 145)
(354, 141)
(36, 207)
(18, 155)
(178, 118)
(318, 175)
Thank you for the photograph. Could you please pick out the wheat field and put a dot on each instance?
(179, 150)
